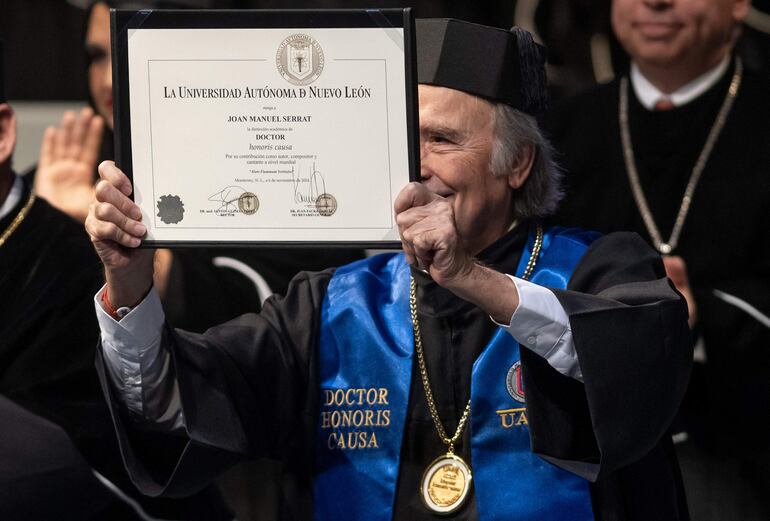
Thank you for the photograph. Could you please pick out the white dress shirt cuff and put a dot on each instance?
(131, 348)
(540, 324)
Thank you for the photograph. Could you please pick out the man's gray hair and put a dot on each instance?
(540, 194)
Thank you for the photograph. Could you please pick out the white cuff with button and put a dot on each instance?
(541, 325)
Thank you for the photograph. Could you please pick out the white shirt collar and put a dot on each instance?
(14, 196)
(648, 94)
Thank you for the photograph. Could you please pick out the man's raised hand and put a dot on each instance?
(676, 270)
(429, 236)
(67, 161)
(114, 225)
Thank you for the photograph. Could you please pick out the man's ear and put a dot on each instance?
(523, 167)
(7, 133)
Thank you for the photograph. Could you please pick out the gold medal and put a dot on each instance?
(445, 484)
(447, 480)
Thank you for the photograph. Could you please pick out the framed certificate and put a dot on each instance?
(266, 127)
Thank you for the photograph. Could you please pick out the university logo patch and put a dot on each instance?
(514, 383)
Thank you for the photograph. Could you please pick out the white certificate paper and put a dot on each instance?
(268, 135)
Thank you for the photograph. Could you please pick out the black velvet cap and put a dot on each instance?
(495, 64)
(2, 73)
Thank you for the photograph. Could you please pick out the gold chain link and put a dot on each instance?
(450, 442)
(17, 220)
(633, 176)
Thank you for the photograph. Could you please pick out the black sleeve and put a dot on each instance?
(738, 308)
(247, 390)
(633, 344)
(734, 323)
(49, 273)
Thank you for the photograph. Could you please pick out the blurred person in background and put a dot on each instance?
(59, 457)
(45, 363)
(677, 150)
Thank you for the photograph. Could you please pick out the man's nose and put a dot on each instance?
(108, 74)
(425, 170)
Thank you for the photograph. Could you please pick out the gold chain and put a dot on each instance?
(17, 220)
(633, 176)
(450, 442)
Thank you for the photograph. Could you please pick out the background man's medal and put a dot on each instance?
(445, 484)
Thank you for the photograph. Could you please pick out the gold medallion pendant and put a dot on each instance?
(447, 480)
(445, 484)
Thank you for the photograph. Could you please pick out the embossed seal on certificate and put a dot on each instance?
(170, 209)
(326, 204)
(248, 203)
(299, 59)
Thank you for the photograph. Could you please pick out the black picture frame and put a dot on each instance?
(121, 21)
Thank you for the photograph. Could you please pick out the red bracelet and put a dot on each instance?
(110, 309)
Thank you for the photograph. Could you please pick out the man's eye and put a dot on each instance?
(440, 139)
(96, 54)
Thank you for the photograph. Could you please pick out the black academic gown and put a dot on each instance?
(725, 240)
(48, 275)
(47, 270)
(54, 423)
(202, 292)
(250, 388)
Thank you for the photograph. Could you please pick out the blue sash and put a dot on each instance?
(365, 364)
(511, 482)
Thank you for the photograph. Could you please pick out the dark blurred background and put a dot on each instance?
(45, 61)
(44, 55)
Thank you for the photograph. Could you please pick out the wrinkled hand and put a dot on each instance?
(114, 225)
(67, 161)
(426, 222)
(676, 270)
(429, 236)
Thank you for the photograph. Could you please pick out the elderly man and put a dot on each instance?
(677, 150)
(386, 388)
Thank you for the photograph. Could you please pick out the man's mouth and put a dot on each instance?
(657, 30)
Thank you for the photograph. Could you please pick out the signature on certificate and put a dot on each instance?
(227, 199)
(308, 190)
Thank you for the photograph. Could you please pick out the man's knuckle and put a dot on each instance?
(121, 236)
(102, 210)
(107, 229)
(102, 189)
(125, 221)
